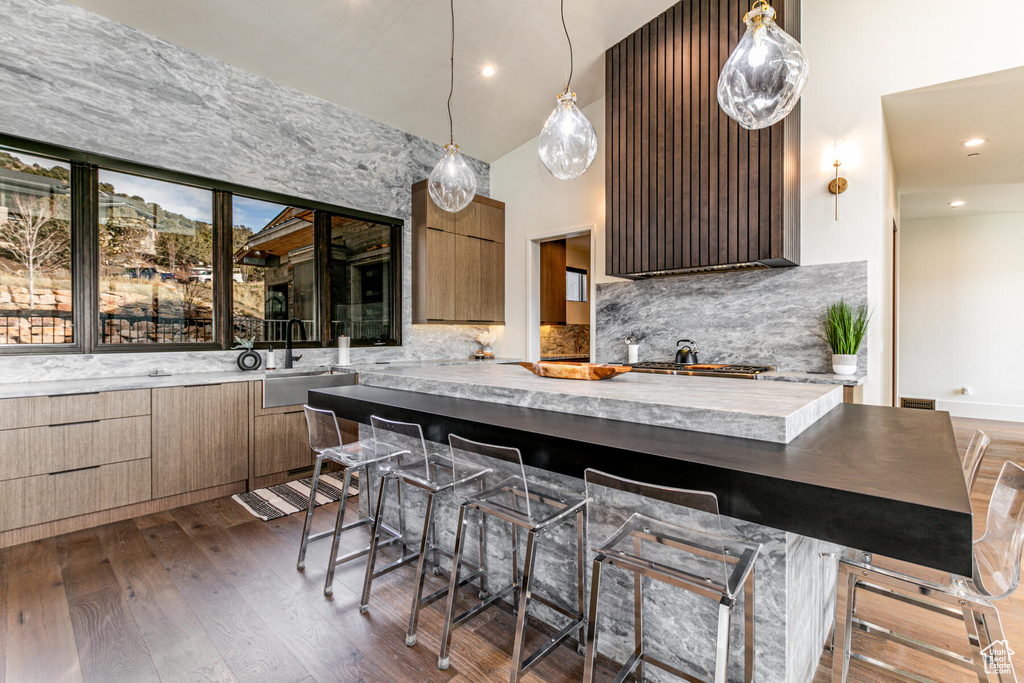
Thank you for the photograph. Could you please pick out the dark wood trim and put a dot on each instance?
(223, 269)
(322, 267)
(687, 187)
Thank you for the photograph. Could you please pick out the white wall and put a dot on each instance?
(961, 317)
(858, 54)
(539, 205)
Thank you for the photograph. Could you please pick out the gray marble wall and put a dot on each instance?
(769, 317)
(74, 78)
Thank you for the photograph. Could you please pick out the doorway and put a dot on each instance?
(560, 310)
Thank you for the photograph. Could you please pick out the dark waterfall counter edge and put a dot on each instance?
(884, 480)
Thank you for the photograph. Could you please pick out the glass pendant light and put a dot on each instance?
(567, 143)
(452, 183)
(765, 75)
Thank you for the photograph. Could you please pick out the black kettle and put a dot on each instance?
(687, 355)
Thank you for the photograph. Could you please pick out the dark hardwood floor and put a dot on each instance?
(208, 593)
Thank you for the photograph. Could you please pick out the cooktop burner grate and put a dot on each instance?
(702, 369)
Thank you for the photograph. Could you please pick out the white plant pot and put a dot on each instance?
(844, 364)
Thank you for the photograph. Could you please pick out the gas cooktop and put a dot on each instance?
(703, 370)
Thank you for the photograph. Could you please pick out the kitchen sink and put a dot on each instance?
(291, 389)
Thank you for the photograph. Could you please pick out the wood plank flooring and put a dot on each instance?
(208, 593)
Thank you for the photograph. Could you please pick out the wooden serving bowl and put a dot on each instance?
(564, 370)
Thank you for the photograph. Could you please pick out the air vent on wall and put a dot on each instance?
(918, 403)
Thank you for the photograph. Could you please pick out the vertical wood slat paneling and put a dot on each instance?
(686, 186)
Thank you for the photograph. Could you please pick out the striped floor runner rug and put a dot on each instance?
(284, 499)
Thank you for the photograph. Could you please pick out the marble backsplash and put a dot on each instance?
(770, 317)
(113, 90)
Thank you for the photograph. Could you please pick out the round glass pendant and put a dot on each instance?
(568, 143)
(452, 183)
(765, 75)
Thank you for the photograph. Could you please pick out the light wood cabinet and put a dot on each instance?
(37, 411)
(45, 450)
(281, 443)
(458, 266)
(200, 437)
(44, 498)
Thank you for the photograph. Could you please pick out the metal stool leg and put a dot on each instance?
(993, 627)
(748, 629)
(722, 655)
(421, 570)
(453, 590)
(591, 655)
(976, 634)
(371, 560)
(301, 564)
(845, 583)
(482, 529)
(515, 568)
(328, 585)
(581, 575)
(638, 615)
(524, 603)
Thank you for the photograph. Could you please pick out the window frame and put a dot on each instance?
(584, 286)
(85, 252)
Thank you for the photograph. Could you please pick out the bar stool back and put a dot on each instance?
(975, 454)
(995, 575)
(502, 490)
(627, 529)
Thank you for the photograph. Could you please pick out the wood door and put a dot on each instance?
(437, 279)
(426, 213)
(281, 443)
(200, 437)
(483, 218)
(552, 283)
(470, 279)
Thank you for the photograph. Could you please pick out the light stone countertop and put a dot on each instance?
(767, 411)
(120, 383)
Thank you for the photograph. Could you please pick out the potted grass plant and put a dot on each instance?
(844, 327)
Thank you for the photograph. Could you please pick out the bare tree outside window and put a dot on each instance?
(33, 239)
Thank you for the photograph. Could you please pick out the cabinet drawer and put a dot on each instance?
(42, 450)
(37, 411)
(45, 498)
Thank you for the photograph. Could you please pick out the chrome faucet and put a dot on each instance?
(288, 357)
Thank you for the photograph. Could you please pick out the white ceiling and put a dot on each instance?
(389, 59)
(926, 130)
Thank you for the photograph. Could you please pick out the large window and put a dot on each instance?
(275, 280)
(101, 255)
(35, 250)
(155, 261)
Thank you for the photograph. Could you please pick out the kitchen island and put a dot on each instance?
(880, 479)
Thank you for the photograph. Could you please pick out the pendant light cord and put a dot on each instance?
(568, 40)
(451, 86)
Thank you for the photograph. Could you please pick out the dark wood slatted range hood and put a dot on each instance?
(688, 189)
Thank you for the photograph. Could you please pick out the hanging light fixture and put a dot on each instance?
(765, 75)
(452, 183)
(567, 143)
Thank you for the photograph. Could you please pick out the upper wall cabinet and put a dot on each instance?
(686, 186)
(458, 261)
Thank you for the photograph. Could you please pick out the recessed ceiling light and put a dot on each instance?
(974, 142)
(957, 204)
(487, 71)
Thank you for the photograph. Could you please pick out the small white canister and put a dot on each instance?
(633, 353)
(343, 351)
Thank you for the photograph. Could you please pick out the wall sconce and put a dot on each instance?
(837, 185)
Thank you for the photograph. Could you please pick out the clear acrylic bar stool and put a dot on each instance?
(996, 573)
(325, 440)
(504, 492)
(975, 454)
(626, 531)
(432, 472)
